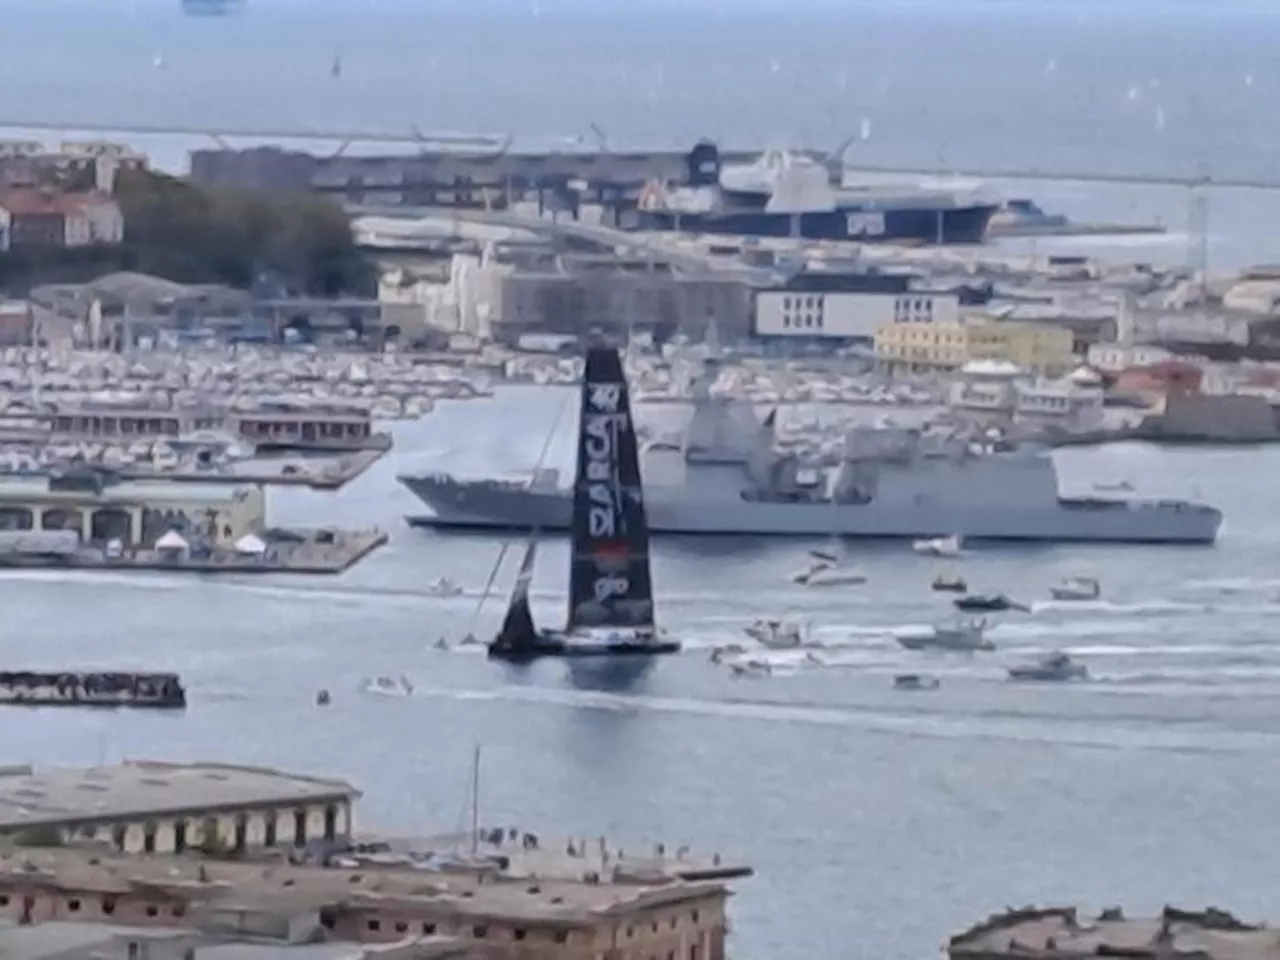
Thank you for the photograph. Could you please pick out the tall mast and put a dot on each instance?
(475, 800)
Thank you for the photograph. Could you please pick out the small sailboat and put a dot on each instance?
(1077, 588)
(951, 546)
(611, 609)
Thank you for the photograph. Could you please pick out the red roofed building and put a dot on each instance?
(36, 217)
(1162, 379)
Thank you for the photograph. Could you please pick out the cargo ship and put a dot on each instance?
(787, 195)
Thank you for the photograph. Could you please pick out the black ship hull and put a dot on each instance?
(553, 645)
(926, 225)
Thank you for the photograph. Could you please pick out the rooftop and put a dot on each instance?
(141, 788)
(286, 887)
(102, 941)
(1058, 932)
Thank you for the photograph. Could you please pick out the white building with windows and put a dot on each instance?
(847, 315)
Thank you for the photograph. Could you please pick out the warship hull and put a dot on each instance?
(479, 505)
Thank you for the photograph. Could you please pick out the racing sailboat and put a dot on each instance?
(611, 610)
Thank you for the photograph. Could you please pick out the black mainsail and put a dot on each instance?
(610, 584)
(518, 629)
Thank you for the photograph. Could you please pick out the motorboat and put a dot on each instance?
(751, 668)
(719, 653)
(916, 681)
(950, 583)
(965, 635)
(389, 686)
(823, 574)
(1057, 667)
(777, 634)
(827, 570)
(988, 603)
(951, 546)
(443, 587)
(1077, 588)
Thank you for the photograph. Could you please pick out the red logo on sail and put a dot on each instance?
(615, 550)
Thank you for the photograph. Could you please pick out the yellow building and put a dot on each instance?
(136, 513)
(146, 807)
(1040, 349)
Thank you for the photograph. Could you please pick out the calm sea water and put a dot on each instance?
(879, 821)
(876, 817)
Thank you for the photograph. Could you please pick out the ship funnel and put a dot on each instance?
(704, 164)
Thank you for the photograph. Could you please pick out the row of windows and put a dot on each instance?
(107, 905)
(806, 321)
(240, 840)
(428, 929)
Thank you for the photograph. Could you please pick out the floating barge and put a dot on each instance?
(1060, 933)
(28, 688)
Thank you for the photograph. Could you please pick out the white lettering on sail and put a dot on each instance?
(600, 473)
(864, 224)
(607, 588)
(605, 397)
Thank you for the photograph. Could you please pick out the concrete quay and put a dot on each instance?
(290, 551)
(1060, 933)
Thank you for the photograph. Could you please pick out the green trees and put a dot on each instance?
(203, 235)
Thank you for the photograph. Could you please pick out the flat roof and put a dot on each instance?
(283, 886)
(125, 491)
(1051, 932)
(147, 788)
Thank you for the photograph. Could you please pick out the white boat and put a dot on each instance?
(777, 634)
(389, 686)
(960, 634)
(443, 587)
(1077, 588)
(939, 546)
(751, 668)
(828, 570)
(1057, 667)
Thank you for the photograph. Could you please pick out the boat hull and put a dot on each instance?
(478, 505)
(553, 645)
(953, 225)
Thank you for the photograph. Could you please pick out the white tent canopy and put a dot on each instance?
(251, 544)
(172, 540)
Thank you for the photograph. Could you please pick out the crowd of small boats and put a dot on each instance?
(29, 688)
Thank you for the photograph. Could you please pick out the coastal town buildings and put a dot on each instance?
(917, 348)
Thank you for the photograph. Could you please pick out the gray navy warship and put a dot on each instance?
(725, 477)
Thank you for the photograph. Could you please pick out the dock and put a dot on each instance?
(325, 551)
(527, 855)
(1060, 933)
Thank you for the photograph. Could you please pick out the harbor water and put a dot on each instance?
(879, 820)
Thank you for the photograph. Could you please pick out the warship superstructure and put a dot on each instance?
(724, 477)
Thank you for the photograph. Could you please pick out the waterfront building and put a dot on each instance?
(148, 807)
(915, 348)
(132, 514)
(847, 316)
(41, 217)
(1059, 933)
(501, 918)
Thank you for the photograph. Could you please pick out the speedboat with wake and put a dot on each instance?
(828, 570)
(1056, 668)
(1077, 588)
(389, 686)
(988, 603)
(611, 610)
(960, 635)
(916, 681)
(939, 547)
(777, 634)
(751, 668)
